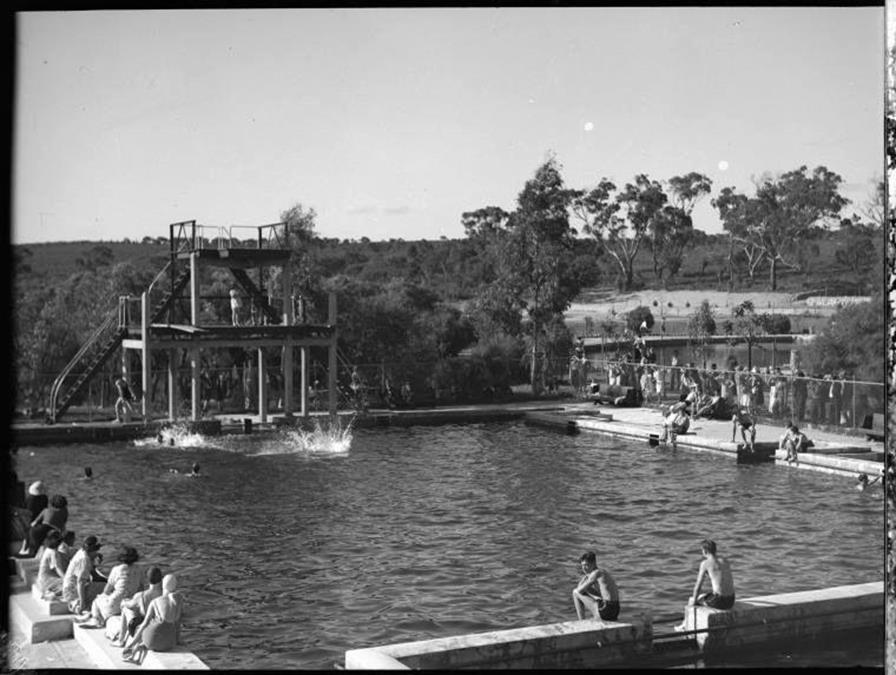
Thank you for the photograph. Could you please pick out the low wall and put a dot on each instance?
(588, 644)
(571, 644)
(788, 616)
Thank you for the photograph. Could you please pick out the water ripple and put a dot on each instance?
(428, 532)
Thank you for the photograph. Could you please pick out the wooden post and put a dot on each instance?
(195, 376)
(126, 374)
(194, 288)
(331, 377)
(195, 385)
(303, 381)
(287, 360)
(172, 385)
(262, 388)
(145, 326)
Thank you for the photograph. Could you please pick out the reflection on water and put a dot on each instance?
(290, 554)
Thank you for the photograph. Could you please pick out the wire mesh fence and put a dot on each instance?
(234, 389)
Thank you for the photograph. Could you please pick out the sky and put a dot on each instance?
(390, 123)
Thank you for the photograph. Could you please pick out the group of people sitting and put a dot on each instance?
(140, 609)
(598, 593)
(677, 419)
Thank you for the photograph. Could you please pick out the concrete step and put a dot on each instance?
(31, 618)
(49, 607)
(26, 569)
(108, 657)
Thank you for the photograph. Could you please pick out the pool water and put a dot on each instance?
(291, 554)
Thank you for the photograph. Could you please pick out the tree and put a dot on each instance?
(673, 229)
(670, 233)
(702, 326)
(746, 325)
(638, 317)
(785, 212)
(854, 340)
(858, 252)
(620, 222)
(532, 248)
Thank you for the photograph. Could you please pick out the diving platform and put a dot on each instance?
(179, 320)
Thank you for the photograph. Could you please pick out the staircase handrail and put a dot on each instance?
(111, 318)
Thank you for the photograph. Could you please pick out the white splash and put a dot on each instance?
(332, 440)
(175, 436)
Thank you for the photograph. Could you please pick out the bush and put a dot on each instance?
(775, 324)
(637, 316)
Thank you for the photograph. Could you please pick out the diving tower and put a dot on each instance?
(169, 318)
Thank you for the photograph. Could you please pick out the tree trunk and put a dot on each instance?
(773, 273)
(533, 369)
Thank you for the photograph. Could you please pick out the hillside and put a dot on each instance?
(451, 267)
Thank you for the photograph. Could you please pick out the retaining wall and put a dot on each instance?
(571, 644)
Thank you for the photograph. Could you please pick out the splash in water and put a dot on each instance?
(176, 436)
(333, 439)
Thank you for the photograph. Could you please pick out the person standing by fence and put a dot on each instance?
(800, 394)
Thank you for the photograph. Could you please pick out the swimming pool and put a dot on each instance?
(290, 557)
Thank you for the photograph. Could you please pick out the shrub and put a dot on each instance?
(637, 316)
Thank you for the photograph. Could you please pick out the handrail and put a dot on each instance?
(95, 336)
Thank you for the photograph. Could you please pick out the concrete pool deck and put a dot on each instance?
(842, 453)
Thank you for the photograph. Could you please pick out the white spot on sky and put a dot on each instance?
(589, 126)
(723, 165)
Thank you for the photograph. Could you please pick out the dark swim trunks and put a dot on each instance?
(608, 610)
(718, 601)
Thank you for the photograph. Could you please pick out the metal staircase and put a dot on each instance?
(95, 358)
(249, 286)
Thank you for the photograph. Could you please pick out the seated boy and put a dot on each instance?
(794, 441)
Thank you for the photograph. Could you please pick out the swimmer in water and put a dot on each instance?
(88, 473)
(195, 471)
(864, 483)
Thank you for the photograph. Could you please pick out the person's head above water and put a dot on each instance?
(862, 478)
(195, 467)
(88, 472)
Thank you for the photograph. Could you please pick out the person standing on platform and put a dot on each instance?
(235, 306)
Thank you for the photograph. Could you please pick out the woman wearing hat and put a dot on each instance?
(160, 630)
(77, 587)
(35, 502)
(124, 580)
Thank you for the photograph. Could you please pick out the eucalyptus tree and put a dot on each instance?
(672, 230)
(785, 212)
(701, 327)
(533, 249)
(621, 220)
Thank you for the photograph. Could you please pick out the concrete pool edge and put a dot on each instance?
(591, 643)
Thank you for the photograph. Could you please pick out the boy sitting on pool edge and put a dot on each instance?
(596, 591)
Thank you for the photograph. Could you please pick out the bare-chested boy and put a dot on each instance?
(596, 591)
(747, 425)
(719, 571)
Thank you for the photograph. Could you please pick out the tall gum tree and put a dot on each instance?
(533, 248)
(785, 212)
(620, 221)
(673, 229)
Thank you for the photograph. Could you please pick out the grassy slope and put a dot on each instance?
(700, 269)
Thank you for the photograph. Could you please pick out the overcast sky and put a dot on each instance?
(393, 122)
